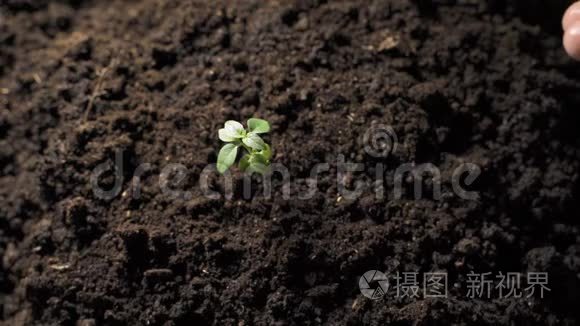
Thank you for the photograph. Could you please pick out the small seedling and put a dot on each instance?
(257, 158)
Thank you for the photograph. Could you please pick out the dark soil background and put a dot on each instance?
(484, 82)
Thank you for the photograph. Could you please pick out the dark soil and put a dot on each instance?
(484, 82)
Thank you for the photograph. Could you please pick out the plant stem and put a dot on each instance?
(247, 148)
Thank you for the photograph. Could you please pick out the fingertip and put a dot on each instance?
(572, 15)
(572, 40)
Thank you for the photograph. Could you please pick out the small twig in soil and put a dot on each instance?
(97, 90)
(37, 78)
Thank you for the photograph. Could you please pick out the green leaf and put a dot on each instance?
(256, 163)
(234, 126)
(258, 168)
(254, 141)
(258, 126)
(226, 157)
(232, 130)
(266, 152)
(244, 163)
(227, 136)
(258, 158)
